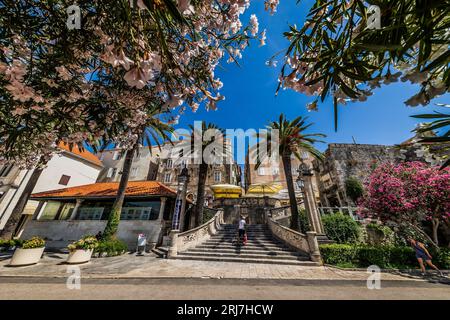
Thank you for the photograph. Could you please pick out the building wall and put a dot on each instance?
(59, 233)
(164, 166)
(343, 161)
(80, 172)
(273, 172)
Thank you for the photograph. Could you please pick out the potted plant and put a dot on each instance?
(81, 250)
(28, 252)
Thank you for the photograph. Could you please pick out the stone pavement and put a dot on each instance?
(149, 266)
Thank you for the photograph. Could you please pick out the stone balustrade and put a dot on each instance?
(307, 244)
(188, 239)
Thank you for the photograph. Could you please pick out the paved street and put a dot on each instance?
(133, 277)
(148, 266)
(137, 289)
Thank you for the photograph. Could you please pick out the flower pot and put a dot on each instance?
(79, 256)
(26, 257)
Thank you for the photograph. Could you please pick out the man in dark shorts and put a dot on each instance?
(422, 255)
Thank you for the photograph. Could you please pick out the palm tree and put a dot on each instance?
(154, 129)
(291, 141)
(207, 144)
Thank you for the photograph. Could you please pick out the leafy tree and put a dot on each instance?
(204, 146)
(354, 189)
(336, 53)
(408, 194)
(151, 131)
(441, 121)
(292, 139)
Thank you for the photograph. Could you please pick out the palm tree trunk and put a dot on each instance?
(10, 229)
(286, 158)
(114, 215)
(435, 227)
(198, 210)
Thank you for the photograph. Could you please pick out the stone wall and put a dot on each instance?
(343, 161)
(60, 233)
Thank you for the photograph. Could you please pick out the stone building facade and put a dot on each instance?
(164, 166)
(343, 161)
(272, 172)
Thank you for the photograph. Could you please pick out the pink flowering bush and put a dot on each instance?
(408, 193)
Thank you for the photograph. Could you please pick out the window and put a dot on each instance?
(134, 172)
(116, 155)
(64, 180)
(50, 211)
(167, 177)
(111, 172)
(169, 163)
(102, 156)
(275, 171)
(261, 171)
(217, 176)
(90, 213)
(5, 170)
(305, 155)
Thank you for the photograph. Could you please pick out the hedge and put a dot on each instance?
(110, 248)
(341, 228)
(382, 256)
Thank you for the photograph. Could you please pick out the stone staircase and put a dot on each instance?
(261, 247)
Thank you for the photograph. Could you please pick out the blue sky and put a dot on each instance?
(251, 102)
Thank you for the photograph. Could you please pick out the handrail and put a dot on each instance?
(306, 243)
(190, 238)
(201, 226)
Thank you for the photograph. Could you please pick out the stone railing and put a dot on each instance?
(191, 238)
(307, 244)
(279, 213)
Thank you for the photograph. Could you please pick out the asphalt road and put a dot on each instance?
(223, 289)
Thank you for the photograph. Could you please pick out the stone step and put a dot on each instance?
(244, 250)
(245, 247)
(244, 255)
(228, 238)
(247, 260)
(248, 244)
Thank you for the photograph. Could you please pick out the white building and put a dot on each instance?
(66, 169)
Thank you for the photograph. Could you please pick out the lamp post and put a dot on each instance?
(304, 182)
(180, 203)
(178, 215)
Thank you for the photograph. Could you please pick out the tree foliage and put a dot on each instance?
(335, 53)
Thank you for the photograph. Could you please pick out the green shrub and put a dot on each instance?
(110, 248)
(348, 255)
(337, 254)
(354, 189)
(85, 243)
(303, 221)
(441, 258)
(402, 257)
(33, 243)
(341, 228)
(373, 255)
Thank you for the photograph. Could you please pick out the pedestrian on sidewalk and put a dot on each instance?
(241, 229)
(422, 255)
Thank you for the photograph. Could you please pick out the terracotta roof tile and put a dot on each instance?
(108, 190)
(85, 154)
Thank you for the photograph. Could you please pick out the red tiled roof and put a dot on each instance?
(85, 154)
(109, 190)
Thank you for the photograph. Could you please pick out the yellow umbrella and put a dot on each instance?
(226, 191)
(264, 188)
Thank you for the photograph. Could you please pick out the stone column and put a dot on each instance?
(313, 247)
(75, 210)
(173, 249)
(162, 208)
(310, 203)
